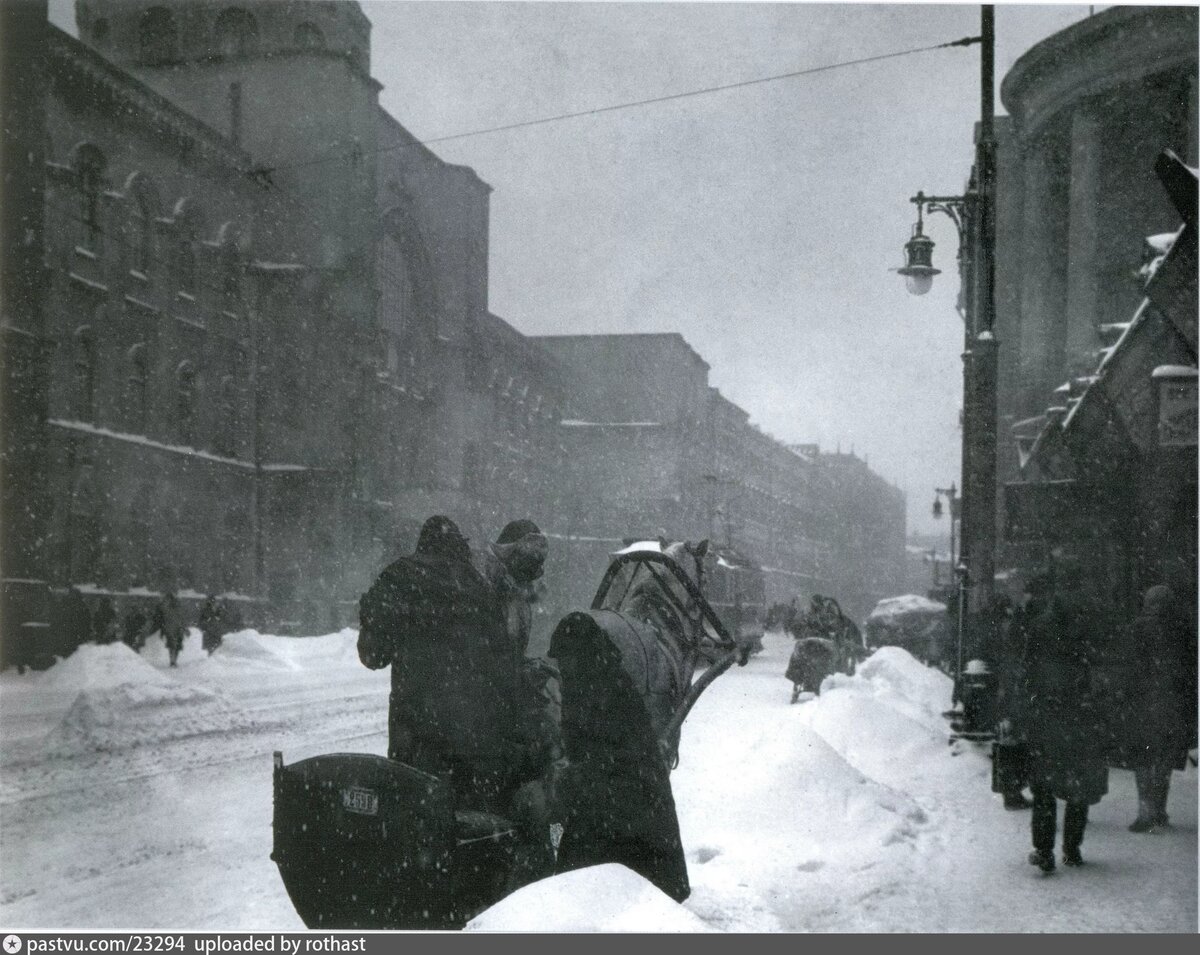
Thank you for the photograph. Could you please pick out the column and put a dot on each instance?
(1087, 145)
(1043, 293)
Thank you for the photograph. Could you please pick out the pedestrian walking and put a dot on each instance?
(1160, 703)
(168, 620)
(212, 624)
(1058, 718)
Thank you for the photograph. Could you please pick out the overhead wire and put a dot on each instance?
(599, 110)
(262, 174)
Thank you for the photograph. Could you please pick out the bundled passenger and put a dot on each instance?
(454, 709)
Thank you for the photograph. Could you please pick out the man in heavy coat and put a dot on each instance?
(1059, 720)
(453, 712)
(1161, 703)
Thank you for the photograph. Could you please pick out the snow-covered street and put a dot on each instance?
(138, 797)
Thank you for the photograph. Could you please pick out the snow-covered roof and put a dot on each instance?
(1174, 371)
(906, 603)
(640, 547)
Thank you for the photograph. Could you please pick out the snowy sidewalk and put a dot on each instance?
(846, 813)
(852, 813)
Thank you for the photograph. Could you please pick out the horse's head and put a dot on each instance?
(690, 557)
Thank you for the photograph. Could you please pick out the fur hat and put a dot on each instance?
(515, 530)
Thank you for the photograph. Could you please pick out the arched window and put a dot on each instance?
(158, 36)
(100, 30)
(396, 300)
(84, 362)
(89, 167)
(189, 226)
(308, 36)
(136, 388)
(185, 403)
(236, 33)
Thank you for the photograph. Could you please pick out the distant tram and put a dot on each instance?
(737, 590)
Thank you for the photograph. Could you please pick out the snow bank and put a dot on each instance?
(124, 701)
(602, 898)
(250, 646)
(886, 719)
(95, 666)
(139, 714)
(774, 818)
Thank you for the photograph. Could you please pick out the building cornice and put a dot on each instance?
(68, 58)
(1116, 47)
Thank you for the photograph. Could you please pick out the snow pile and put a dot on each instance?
(886, 719)
(94, 666)
(123, 701)
(602, 898)
(320, 651)
(250, 646)
(773, 817)
(893, 607)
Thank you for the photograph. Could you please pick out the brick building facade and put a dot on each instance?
(254, 350)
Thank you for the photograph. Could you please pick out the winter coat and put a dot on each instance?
(516, 603)
(168, 620)
(1055, 712)
(435, 621)
(813, 659)
(1159, 724)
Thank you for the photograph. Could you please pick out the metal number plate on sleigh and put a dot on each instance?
(365, 802)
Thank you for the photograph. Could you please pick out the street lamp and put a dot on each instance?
(918, 270)
(974, 217)
(952, 498)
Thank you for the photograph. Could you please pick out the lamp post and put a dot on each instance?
(974, 217)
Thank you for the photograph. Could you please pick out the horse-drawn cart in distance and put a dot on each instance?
(370, 843)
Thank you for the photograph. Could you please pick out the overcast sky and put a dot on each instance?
(759, 222)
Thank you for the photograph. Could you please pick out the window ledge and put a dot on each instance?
(139, 276)
(86, 253)
(186, 296)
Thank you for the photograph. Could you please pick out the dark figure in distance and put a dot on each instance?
(1161, 700)
(168, 620)
(212, 624)
(134, 627)
(1057, 716)
(453, 712)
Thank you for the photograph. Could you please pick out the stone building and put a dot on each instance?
(650, 447)
(255, 350)
(1096, 304)
(247, 346)
(1090, 109)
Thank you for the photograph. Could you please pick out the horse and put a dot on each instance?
(827, 641)
(628, 681)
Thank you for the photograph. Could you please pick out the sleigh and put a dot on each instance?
(365, 842)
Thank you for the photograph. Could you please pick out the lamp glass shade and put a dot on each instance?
(918, 284)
